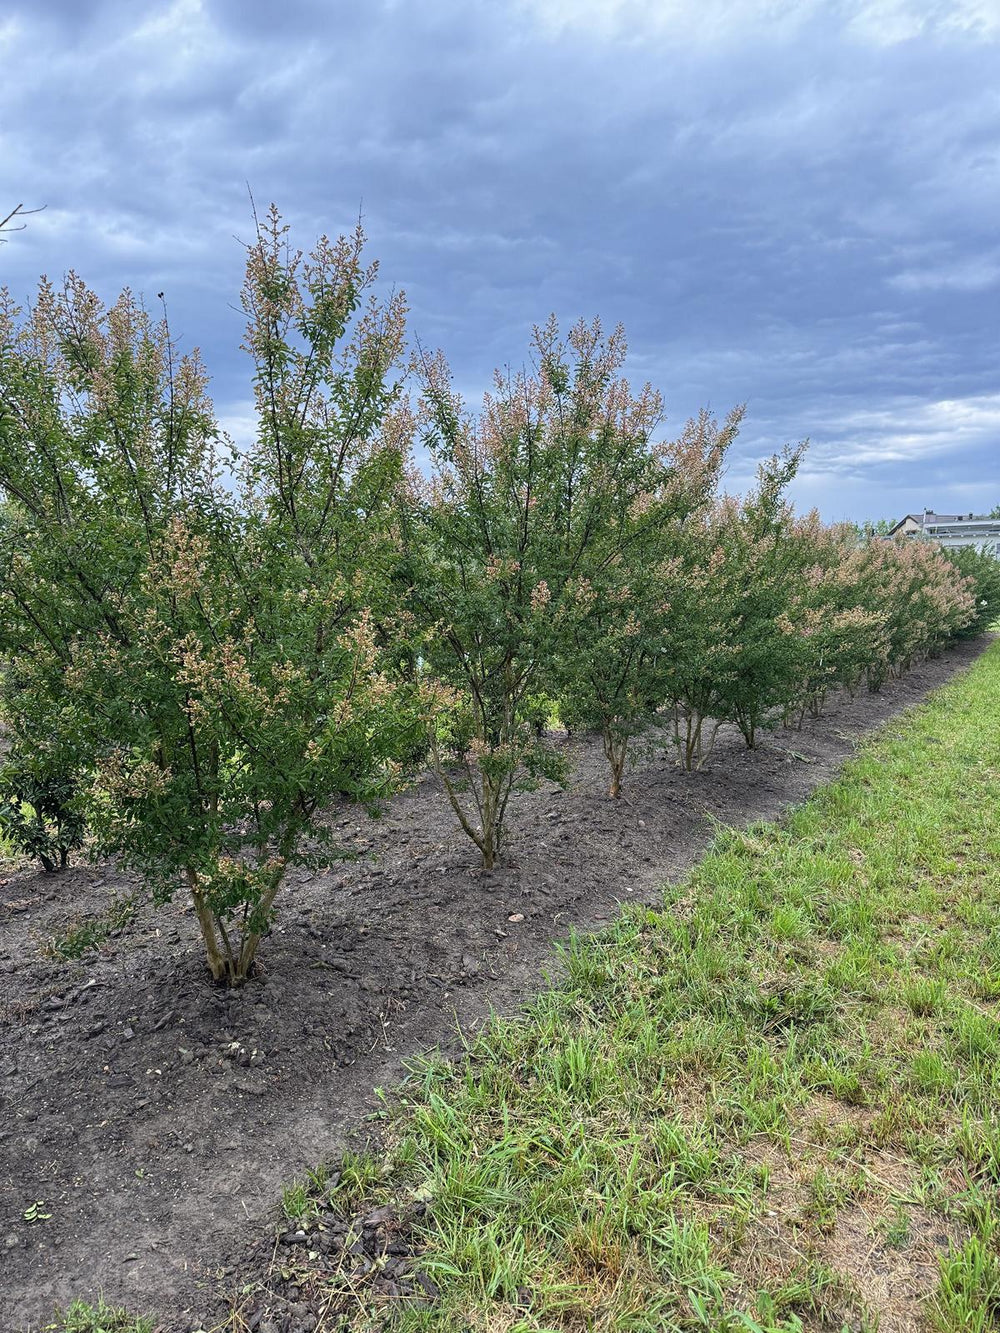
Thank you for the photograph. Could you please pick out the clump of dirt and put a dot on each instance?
(321, 1265)
(149, 1119)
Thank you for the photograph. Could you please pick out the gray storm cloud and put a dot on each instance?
(789, 204)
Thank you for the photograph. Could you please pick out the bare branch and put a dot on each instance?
(19, 212)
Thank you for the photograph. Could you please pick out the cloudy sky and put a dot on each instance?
(788, 202)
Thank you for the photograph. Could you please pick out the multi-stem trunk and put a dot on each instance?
(746, 720)
(232, 959)
(695, 752)
(615, 751)
(489, 784)
(489, 806)
(206, 923)
(490, 798)
(691, 741)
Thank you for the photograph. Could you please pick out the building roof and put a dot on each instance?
(928, 519)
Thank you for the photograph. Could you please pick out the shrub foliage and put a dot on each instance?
(206, 642)
(208, 625)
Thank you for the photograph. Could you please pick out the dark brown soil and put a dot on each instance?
(157, 1117)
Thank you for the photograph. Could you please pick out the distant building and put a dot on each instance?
(952, 530)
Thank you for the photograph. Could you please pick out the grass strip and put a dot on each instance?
(770, 1105)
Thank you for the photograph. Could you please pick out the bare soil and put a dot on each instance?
(152, 1117)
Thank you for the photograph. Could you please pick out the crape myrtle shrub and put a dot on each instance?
(211, 633)
(984, 571)
(540, 557)
(733, 661)
(627, 628)
(204, 645)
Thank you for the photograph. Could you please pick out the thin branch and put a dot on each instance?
(19, 212)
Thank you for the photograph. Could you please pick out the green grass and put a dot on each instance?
(84, 1318)
(772, 1104)
(91, 932)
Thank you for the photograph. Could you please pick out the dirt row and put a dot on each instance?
(148, 1119)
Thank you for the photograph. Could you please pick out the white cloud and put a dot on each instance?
(976, 273)
(905, 431)
(238, 422)
(872, 22)
(888, 22)
(978, 17)
(704, 21)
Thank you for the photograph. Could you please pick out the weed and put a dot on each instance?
(969, 1295)
(896, 1229)
(82, 1317)
(923, 997)
(88, 934)
(297, 1203)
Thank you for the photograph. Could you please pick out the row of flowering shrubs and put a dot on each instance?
(204, 644)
